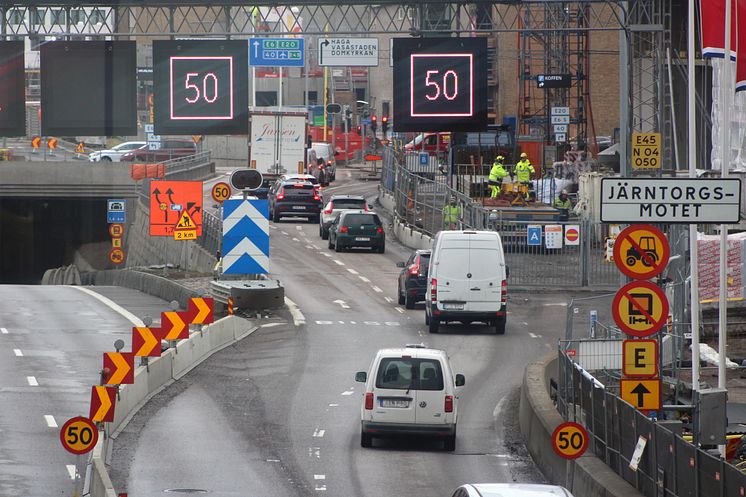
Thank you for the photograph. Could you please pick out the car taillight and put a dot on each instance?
(379, 230)
(449, 403)
(330, 209)
(321, 166)
(414, 270)
(281, 195)
(504, 293)
(343, 229)
(369, 401)
(434, 290)
(316, 195)
(329, 163)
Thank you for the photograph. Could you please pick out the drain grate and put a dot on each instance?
(186, 490)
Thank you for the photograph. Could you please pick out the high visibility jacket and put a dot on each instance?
(523, 171)
(451, 213)
(498, 172)
(562, 204)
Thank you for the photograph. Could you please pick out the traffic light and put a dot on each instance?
(359, 130)
(384, 111)
(373, 123)
(384, 124)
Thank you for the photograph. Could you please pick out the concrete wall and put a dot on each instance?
(147, 283)
(587, 476)
(66, 179)
(161, 371)
(228, 151)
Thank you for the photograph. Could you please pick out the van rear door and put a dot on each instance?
(394, 400)
(453, 275)
(487, 267)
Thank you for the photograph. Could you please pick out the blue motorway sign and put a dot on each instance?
(277, 52)
(534, 234)
(116, 211)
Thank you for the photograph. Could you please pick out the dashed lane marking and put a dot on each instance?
(338, 263)
(352, 271)
(71, 470)
(365, 323)
(319, 477)
(32, 381)
(333, 405)
(309, 246)
(389, 299)
(364, 279)
(399, 309)
(299, 227)
(270, 325)
(348, 392)
(533, 335)
(376, 289)
(18, 352)
(50, 421)
(4, 331)
(284, 233)
(319, 433)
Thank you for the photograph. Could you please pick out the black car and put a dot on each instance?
(413, 278)
(294, 198)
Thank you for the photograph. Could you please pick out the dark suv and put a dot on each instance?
(170, 149)
(413, 278)
(294, 198)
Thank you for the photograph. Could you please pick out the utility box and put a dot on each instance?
(710, 416)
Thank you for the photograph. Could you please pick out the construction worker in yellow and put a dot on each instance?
(451, 214)
(524, 170)
(497, 173)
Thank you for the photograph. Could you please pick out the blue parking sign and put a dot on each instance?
(533, 235)
(116, 210)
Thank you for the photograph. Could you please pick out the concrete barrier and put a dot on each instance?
(160, 372)
(587, 476)
(145, 282)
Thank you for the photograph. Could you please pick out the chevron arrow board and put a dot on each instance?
(245, 237)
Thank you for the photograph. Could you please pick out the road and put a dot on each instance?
(278, 413)
(51, 343)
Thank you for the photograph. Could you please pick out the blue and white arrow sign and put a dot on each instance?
(245, 237)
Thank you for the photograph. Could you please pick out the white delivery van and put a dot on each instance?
(467, 280)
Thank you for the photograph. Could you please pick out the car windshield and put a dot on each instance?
(361, 219)
(403, 373)
(348, 203)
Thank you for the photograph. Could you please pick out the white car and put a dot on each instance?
(326, 152)
(114, 154)
(510, 490)
(335, 205)
(410, 391)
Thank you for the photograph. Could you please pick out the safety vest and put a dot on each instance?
(498, 172)
(523, 171)
(562, 204)
(451, 213)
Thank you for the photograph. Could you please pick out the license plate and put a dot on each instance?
(362, 238)
(453, 307)
(299, 207)
(395, 403)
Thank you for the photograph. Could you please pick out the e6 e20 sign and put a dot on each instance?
(440, 84)
(201, 87)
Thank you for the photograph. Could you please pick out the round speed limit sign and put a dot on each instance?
(79, 435)
(221, 191)
(569, 440)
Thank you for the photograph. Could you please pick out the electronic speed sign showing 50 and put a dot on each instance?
(201, 87)
(440, 84)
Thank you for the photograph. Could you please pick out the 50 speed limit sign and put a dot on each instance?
(79, 435)
(221, 191)
(569, 440)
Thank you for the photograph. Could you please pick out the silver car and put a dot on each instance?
(335, 205)
(114, 154)
(510, 490)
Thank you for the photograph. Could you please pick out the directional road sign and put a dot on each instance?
(569, 440)
(640, 308)
(221, 191)
(277, 52)
(348, 51)
(646, 150)
(640, 358)
(245, 237)
(146, 342)
(119, 368)
(645, 395)
(641, 251)
(201, 310)
(554, 81)
(174, 326)
(103, 403)
(116, 211)
(533, 232)
(168, 201)
(79, 435)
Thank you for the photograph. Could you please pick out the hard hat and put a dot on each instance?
(524, 155)
(564, 192)
(500, 158)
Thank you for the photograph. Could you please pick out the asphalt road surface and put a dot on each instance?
(278, 414)
(51, 343)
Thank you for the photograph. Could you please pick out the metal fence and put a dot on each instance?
(670, 466)
(421, 194)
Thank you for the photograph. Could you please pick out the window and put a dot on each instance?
(96, 17)
(362, 219)
(400, 373)
(349, 203)
(15, 16)
(58, 16)
(37, 16)
(77, 16)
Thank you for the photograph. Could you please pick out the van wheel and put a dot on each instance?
(500, 325)
(449, 443)
(427, 318)
(401, 300)
(366, 440)
(434, 325)
(409, 302)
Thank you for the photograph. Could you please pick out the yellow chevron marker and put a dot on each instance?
(203, 310)
(121, 368)
(144, 342)
(177, 325)
(103, 409)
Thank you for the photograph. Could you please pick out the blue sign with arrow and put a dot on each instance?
(534, 235)
(277, 52)
(245, 237)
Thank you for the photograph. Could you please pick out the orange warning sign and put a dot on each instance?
(52, 143)
(36, 142)
(640, 308)
(169, 200)
(641, 251)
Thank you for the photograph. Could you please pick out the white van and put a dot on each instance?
(467, 280)
(410, 391)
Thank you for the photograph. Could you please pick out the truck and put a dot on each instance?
(278, 141)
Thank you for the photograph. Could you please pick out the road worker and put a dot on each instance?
(497, 173)
(451, 214)
(523, 171)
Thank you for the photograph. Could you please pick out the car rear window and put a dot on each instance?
(401, 373)
(298, 189)
(355, 219)
(348, 203)
(424, 262)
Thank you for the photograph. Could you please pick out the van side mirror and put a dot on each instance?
(460, 380)
(361, 376)
(400, 264)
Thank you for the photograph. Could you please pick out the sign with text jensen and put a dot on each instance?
(671, 200)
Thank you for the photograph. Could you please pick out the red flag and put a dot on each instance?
(741, 47)
(713, 22)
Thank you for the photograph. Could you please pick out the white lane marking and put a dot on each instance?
(112, 305)
(389, 299)
(273, 460)
(320, 488)
(273, 227)
(299, 227)
(333, 405)
(298, 317)
(32, 381)
(309, 246)
(319, 433)
(319, 477)
(338, 263)
(363, 278)
(50, 421)
(284, 233)
(376, 289)
(525, 323)
(295, 239)
(325, 254)
(555, 304)
(399, 309)
(4, 331)
(342, 303)
(498, 408)
(533, 335)
(348, 392)
(71, 470)
(18, 352)
(314, 452)
(352, 271)
(314, 246)
(271, 325)
(353, 322)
